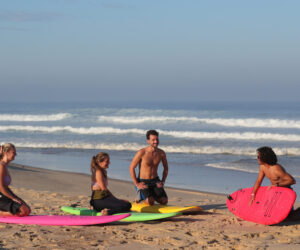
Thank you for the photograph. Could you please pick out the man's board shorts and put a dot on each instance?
(8, 205)
(152, 190)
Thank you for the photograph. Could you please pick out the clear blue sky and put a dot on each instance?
(89, 50)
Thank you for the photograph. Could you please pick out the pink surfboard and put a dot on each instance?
(62, 220)
(269, 207)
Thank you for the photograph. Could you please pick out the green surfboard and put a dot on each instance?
(134, 217)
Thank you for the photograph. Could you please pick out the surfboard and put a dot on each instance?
(270, 206)
(144, 208)
(134, 216)
(62, 220)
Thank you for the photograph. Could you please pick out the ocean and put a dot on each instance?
(210, 146)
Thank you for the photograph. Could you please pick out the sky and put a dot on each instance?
(166, 50)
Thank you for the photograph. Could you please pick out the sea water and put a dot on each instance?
(210, 146)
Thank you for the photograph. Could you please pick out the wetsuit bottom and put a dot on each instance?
(111, 203)
(8, 205)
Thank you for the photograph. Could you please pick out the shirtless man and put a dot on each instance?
(148, 159)
(267, 160)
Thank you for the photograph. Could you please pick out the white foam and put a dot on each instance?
(177, 134)
(145, 119)
(34, 118)
(254, 123)
(232, 136)
(235, 167)
(80, 130)
(231, 167)
(231, 122)
(169, 149)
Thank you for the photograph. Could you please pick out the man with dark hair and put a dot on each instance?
(267, 160)
(151, 132)
(148, 159)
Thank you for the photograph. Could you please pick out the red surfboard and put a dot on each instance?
(270, 206)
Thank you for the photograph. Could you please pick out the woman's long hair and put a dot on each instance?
(100, 157)
(6, 148)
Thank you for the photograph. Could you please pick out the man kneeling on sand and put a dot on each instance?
(148, 159)
(277, 175)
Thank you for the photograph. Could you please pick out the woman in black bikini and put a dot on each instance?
(10, 204)
(102, 199)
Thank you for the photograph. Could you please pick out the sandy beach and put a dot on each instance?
(214, 228)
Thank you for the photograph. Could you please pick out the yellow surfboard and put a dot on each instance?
(144, 208)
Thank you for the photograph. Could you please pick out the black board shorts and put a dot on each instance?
(152, 190)
(8, 205)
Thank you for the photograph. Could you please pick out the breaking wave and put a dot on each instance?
(34, 118)
(231, 122)
(169, 149)
(177, 134)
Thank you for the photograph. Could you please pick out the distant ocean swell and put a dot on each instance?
(177, 134)
(34, 118)
(225, 122)
(250, 151)
(232, 122)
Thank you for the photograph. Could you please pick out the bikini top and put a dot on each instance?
(7, 178)
(96, 185)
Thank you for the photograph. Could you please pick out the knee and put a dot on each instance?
(149, 201)
(126, 206)
(163, 201)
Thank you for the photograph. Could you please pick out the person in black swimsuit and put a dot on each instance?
(102, 199)
(10, 203)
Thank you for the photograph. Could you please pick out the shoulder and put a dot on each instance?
(2, 169)
(2, 166)
(262, 168)
(278, 167)
(161, 152)
(141, 152)
(98, 172)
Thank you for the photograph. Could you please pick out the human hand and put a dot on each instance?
(160, 184)
(141, 185)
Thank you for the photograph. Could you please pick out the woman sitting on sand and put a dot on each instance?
(10, 204)
(102, 199)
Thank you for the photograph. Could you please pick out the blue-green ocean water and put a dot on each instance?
(210, 146)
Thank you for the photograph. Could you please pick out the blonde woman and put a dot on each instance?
(10, 204)
(102, 199)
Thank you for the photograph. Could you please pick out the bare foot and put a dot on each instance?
(104, 211)
(5, 214)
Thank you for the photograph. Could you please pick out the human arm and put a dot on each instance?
(99, 179)
(5, 190)
(261, 176)
(134, 163)
(166, 169)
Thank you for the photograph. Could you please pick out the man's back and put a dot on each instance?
(277, 174)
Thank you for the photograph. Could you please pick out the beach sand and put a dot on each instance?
(214, 228)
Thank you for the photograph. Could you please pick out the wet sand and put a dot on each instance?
(214, 228)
